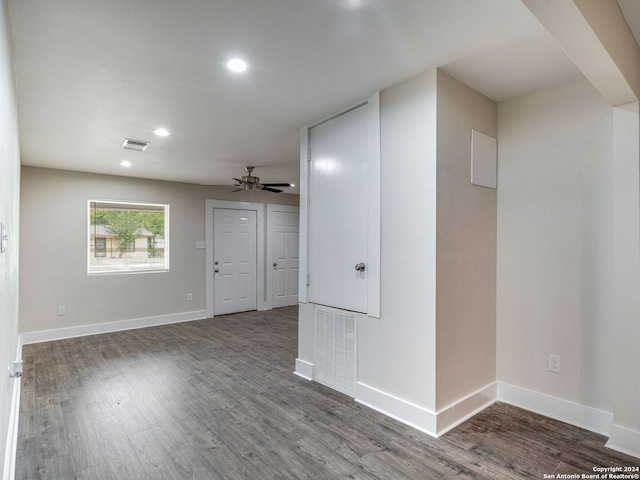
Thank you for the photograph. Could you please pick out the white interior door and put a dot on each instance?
(284, 231)
(235, 260)
(338, 211)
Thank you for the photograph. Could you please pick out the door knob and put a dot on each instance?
(360, 267)
(216, 270)
(275, 264)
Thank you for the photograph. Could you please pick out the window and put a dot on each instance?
(101, 247)
(128, 237)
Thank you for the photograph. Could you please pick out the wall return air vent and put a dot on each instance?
(139, 145)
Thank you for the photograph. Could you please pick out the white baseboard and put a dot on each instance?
(83, 330)
(453, 415)
(566, 411)
(624, 440)
(415, 416)
(432, 423)
(9, 470)
(304, 369)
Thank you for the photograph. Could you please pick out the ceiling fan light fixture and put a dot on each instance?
(251, 182)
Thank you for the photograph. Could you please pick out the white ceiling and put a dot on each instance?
(93, 72)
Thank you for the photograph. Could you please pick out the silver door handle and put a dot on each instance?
(360, 267)
(275, 264)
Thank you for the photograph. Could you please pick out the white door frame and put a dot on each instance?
(373, 233)
(271, 209)
(231, 205)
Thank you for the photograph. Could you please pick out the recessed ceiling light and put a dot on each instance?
(161, 132)
(126, 163)
(237, 65)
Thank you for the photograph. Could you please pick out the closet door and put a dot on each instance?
(283, 247)
(339, 211)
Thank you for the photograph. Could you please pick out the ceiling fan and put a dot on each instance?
(249, 182)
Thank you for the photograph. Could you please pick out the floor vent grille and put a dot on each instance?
(335, 363)
(139, 145)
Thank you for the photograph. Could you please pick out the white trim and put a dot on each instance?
(272, 208)
(408, 413)
(624, 440)
(12, 432)
(566, 411)
(432, 423)
(304, 213)
(461, 410)
(304, 369)
(208, 222)
(83, 330)
(374, 232)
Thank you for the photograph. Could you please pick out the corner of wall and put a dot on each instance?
(624, 440)
(466, 247)
(410, 414)
(432, 423)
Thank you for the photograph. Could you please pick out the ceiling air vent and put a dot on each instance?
(138, 145)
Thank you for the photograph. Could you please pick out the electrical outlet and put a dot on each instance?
(62, 310)
(554, 363)
(189, 297)
(15, 370)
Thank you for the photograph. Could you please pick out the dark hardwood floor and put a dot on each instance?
(216, 399)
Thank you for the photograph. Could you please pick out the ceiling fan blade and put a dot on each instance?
(237, 180)
(277, 184)
(268, 189)
(237, 190)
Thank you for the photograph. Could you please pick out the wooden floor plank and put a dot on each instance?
(217, 399)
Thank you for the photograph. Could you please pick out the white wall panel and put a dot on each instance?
(626, 228)
(555, 244)
(9, 259)
(396, 353)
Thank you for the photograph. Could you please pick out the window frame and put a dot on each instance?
(164, 268)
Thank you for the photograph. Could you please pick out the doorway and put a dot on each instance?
(283, 254)
(222, 294)
(234, 260)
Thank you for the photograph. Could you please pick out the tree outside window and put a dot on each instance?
(127, 237)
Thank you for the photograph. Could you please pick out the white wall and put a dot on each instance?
(626, 380)
(9, 210)
(54, 250)
(396, 353)
(555, 244)
(466, 248)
